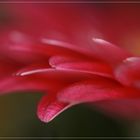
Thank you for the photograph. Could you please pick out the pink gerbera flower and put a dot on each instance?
(69, 66)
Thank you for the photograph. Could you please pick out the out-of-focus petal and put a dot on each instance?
(56, 60)
(15, 45)
(128, 72)
(13, 84)
(98, 48)
(7, 68)
(107, 51)
(58, 47)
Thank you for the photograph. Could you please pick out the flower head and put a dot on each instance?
(69, 66)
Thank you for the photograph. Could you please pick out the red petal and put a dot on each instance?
(54, 74)
(6, 68)
(128, 72)
(108, 52)
(39, 78)
(56, 60)
(18, 45)
(100, 49)
(96, 68)
(49, 108)
(13, 84)
(57, 47)
(95, 90)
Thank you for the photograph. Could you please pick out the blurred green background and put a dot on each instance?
(18, 118)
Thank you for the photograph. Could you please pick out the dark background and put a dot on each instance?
(18, 118)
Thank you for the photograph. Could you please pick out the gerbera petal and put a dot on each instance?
(54, 74)
(39, 78)
(56, 60)
(96, 68)
(58, 47)
(49, 107)
(107, 51)
(99, 49)
(95, 90)
(18, 45)
(127, 72)
(7, 68)
(21, 84)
